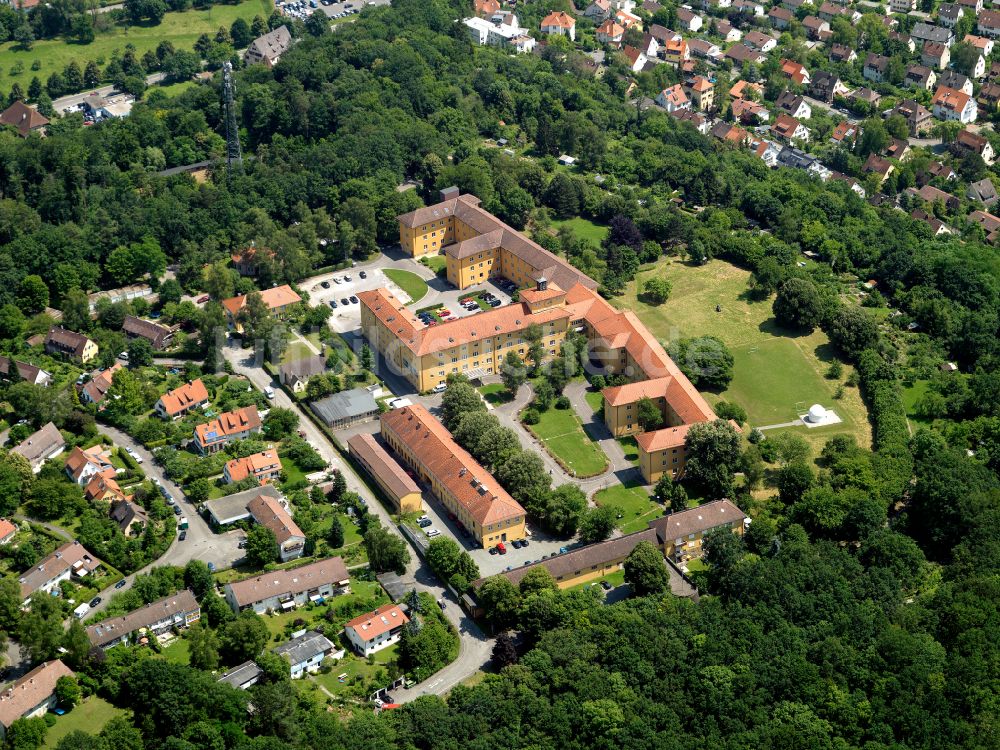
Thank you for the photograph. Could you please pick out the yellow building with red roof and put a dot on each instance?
(277, 299)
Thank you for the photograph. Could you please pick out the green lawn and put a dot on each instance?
(594, 399)
(177, 652)
(776, 371)
(615, 579)
(437, 263)
(561, 432)
(297, 350)
(632, 502)
(911, 396)
(181, 29)
(409, 282)
(495, 393)
(584, 229)
(355, 668)
(90, 716)
(294, 475)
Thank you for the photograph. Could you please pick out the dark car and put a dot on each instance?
(354, 300)
(516, 544)
(325, 285)
(344, 301)
(177, 510)
(95, 601)
(121, 584)
(606, 586)
(333, 303)
(524, 542)
(363, 275)
(493, 550)
(183, 536)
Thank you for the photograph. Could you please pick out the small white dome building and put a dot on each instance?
(816, 413)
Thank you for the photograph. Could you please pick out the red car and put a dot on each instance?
(501, 549)
(443, 313)
(203, 298)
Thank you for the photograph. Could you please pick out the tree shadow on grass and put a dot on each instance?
(770, 326)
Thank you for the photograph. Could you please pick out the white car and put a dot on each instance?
(439, 388)
(123, 356)
(431, 533)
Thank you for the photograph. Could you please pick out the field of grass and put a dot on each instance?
(90, 716)
(409, 282)
(495, 393)
(615, 579)
(355, 669)
(437, 263)
(633, 503)
(297, 350)
(911, 396)
(776, 371)
(177, 652)
(584, 229)
(594, 399)
(182, 29)
(561, 432)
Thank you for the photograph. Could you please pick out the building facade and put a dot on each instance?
(376, 630)
(176, 611)
(282, 590)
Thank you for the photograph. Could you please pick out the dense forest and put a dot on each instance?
(862, 610)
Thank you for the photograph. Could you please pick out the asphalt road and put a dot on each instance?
(75, 100)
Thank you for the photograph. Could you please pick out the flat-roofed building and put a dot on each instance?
(178, 610)
(223, 511)
(282, 590)
(454, 476)
(242, 677)
(346, 408)
(376, 630)
(392, 478)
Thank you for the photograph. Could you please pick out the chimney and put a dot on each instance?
(542, 284)
(450, 193)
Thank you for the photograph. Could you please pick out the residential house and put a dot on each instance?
(897, 149)
(816, 28)
(950, 14)
(728, 133)
(24, 119)
(704, 49)
(270, 513)
(931, 194)
(96, 389)
(983, 191)
(760, 41)
(876, 67)
(688, 20)
(937, 226)
(918, 117)
(989, 97)
(701, 92)
(955, 80)
(749, 8)
(71, 559)
(903, 39)
(935, 55)
(240, 424)
(305, 653)
(224, 511)
(599, 10)
(949, 104)
(877, 165)
(794, 105)
(25, 371)
(130, 517)
(247, 674)
(792, 5)
(740, 54)
(175, 612)
(295, 375)
(727, 31)
(902, 6)
(559, 23)
(278, 300)
(842, 53)
(287, 588)
(500, 30)
(786, 128)
(843, 133)
(82, 465)
(676, 53)
(826, 87)
(73, 345)
(269, 48)
(922, 33)
(662, 34)
(936, 169)
(681, 534)
(968, 142)
(651, 7)
(392, 478)
(628, 20)
(346, 408)
(264, 466)
(988, 24)
(158, 336)
(121, 294)
(696, 120)
(972, 7)
(610, 32)
(636, 59)
(649, 47)
(853, 184)
(780, 17)
(795, 71)
(989, 223)
(750, 112)
(250, 260)
(33, 695)
(462, 485)
(103, 487)
(920, 77)
(673, 98)
(741, 90)
(40, 446)
(981, 43)
(8, 530)
(376, 630)
(182, 400)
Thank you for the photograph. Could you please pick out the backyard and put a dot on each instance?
(182, 29)
(90, 717)
(495, 394)
(561, 432)
(634, 505)
(414, 286)
(778, 374)
(584, 229)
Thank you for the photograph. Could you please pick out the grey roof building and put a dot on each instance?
(306, 652)
(346, 408)
(242, 677)
(268, 48)
(925, 32)
(233, 508)
(175, 611)
(47, 443)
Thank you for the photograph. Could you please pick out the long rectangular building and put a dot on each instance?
(175, 611)
(455, 477)
(387, 473)
(286, 589)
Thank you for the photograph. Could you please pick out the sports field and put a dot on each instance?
(182, 29)
(778, 374)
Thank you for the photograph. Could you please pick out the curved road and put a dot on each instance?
(475, 647)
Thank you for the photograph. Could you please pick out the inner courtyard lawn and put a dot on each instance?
(414, 286)
(562, 434)
(776, 371)
(633, 503)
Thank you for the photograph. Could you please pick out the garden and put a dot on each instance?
(414, 286)
(562, 434)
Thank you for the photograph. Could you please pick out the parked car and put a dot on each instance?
(439, 388)
(431, 533)
(325, 285)
(524, 542)
(343, 301)
(606, 586)
(516, 544)
(203, 298)
(333, 303)
(354, 300)
(95, 601)
(347, 277)
(363, 274)
(121, 584)
(183, 535)
(177, 510)
(442, 603)
(501, 548)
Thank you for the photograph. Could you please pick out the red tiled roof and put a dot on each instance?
(373, 624)
(184, 397)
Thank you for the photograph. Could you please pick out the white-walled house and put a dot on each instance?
(376, 630)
